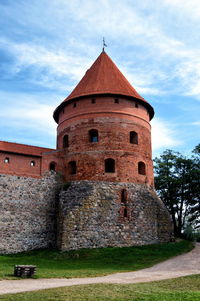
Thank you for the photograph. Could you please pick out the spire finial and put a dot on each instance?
(104, 44)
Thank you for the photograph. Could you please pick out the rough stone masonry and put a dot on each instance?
(28, 212)
(102, 214)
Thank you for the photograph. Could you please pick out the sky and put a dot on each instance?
(47, 45)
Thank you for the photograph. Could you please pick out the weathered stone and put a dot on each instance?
(28, 212)
(99, 221)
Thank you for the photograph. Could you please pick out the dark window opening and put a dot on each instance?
(109, 165)
(52, 166)
(32, 163)
(123, 196)
(74, 105)
(133, 138)
(125, 212)
(63, 111)
(6, 160)
(72, 167)
(136, 105)
(93, 136)
(116, 100)
(93, 100)
(65, 141)
(141, 168)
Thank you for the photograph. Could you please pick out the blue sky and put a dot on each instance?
(46, 46)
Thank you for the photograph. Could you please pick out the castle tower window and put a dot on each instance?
(93, 100)
(52, 166)
(133, 138)
(141, 168)
(72, 167)
(125, 212)
(32, 163)
(65, 141)
(136, 105)
(123, 196)
(109, 165)
(93, 136)
(74, 105)
(116, 100)
(6, 160)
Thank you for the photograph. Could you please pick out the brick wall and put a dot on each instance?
(25, 160)
(19, 164)
(114, 122)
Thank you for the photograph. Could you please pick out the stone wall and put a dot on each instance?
(28, 212)
(87, 215)
(102, 214)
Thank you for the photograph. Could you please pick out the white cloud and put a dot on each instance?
(190, 8)
(196, 123)
(56, 64)
(163, 135)
(27, 113)
(163, 56)
(189, 74)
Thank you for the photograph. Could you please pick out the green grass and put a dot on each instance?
(91, 262)
(179, 289)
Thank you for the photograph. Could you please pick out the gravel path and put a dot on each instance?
(186, 264)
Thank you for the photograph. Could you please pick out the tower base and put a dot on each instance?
(102, 214)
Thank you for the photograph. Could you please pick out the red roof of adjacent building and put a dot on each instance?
(103, 77)
(24, 149)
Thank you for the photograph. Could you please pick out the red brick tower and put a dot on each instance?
(104, 149)
(104, 130)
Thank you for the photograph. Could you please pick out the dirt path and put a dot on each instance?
(186, 264)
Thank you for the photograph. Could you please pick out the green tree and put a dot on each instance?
(177, 181)
(194, 217)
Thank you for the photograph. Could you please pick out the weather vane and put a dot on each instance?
(104, 44)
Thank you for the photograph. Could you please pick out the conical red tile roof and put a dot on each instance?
(104, 77)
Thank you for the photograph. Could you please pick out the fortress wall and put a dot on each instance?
(96, 214)
(20, 165)
(28, 212)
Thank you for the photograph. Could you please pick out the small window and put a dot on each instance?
(72, 167)
(136, 105)
(6, 160)
(133, 138)
(63, 110)
(93, 100)
(109, 165)
(116, 100)
(93, 136)
(125, 212)
(65, 141)
(52, 166)
(123, 196)
(141, 168)
(32, 163)
(74, 105)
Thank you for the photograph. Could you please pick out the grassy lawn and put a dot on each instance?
(91, 262)
(180, 289)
